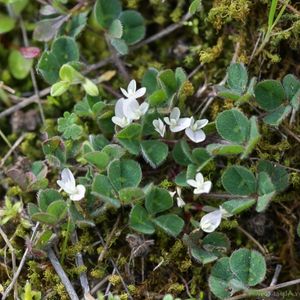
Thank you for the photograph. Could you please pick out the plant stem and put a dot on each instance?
(64, 248)
(5, 139)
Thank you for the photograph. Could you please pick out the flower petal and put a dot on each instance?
(181, 125)
(131, 87)
(140, 92)
(131, 109)
(80, 192)
(167, 120)
(192, 183)
(144, 107)
(67, 182)
(175, 113)
(119, 112)
(124, 92)
(201, 123)
(199, 179)
(196, 136)
(207, 186)
(211, 221)
(180, 202)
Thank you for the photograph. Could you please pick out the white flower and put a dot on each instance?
(131, 92)
(194, 131)
(159, 126)
(180, 201)
(175, 122)
(133, 110)
(120, 119)
(68, 184)
(211, 221)
(199, 184)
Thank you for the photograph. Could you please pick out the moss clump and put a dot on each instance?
(114, 279)
(211, 54)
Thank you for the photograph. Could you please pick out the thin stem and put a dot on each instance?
(64, 248)
(5, 139)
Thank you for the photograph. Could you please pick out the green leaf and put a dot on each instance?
(219, 278)
(278, 174)
(133, 26)
(58, 209)
(239, 180)
(116, 29)
(90, 87)
(264, 201)
(216, 242)
(32, 209)
(248, 265)
(51, 61)
(233, 126)
(201, 157)
(253, 138)
(295, 102)
(69, 74)
(6, 23)
(132, 131)
(182, 153)
(46, 197)
(265, 185)
(55, 147)
(114, 151)
(275, 117)
(195, 6)
(236, 206)
(97, 158)
(237, 77)
(131, 195)
(221, 149)
(103, 189)
(19, 66)
(120, 45)
(59, 88)
(180, 179)
(202, 256)
(154, 152)
(107, 11)
(168, 82)
(139, 220)
(149, 80)
(228, 94)
(269, 94)
(158, 200)
(124, 173)
(44, 218)
(291, 85)
(67, 126)
(157, 98)
(170, 223)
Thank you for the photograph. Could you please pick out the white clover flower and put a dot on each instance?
(132, 92)
(175, 122)
(159, 126)
(211, 221)
(68, 184)
(199, 184)
(120, 119)
(194, 131)
(133, 110)
(180, 201)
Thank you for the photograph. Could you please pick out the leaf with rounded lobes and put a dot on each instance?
(180, 179)
(139, 220)
(154, 152)
(131, 195)
(58, 209)
(219, 278)
(182, 153)
(90, 87)
(170, 223)
(32, 209)
(275, 117)
(195, 6)
(265, 185)
(216, 242)
(69, 74)
(158, 200)
(249, 266)
(239, 180)
(46, 197)
(98, 159)
(295, 101)
(68, 127)
(221, 149)
(6, 23)
(45, 218)
(228, 94)
(149, 80)
(58, 88)
(133, 26)
(103, 189)
(278, 174)
(202, 256)
(237, 77)
(51, 61)
(200, 157)
(116, 29)
(107, 11)
(167, 81)
(269, 94)
(120, 45)
(114, 151)
(264, 201)
(233, 125)
(19, 66)
(132, 131)
(236, 206)
(157, 98)
(291, 85)
(55, 147)
(124, 173)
